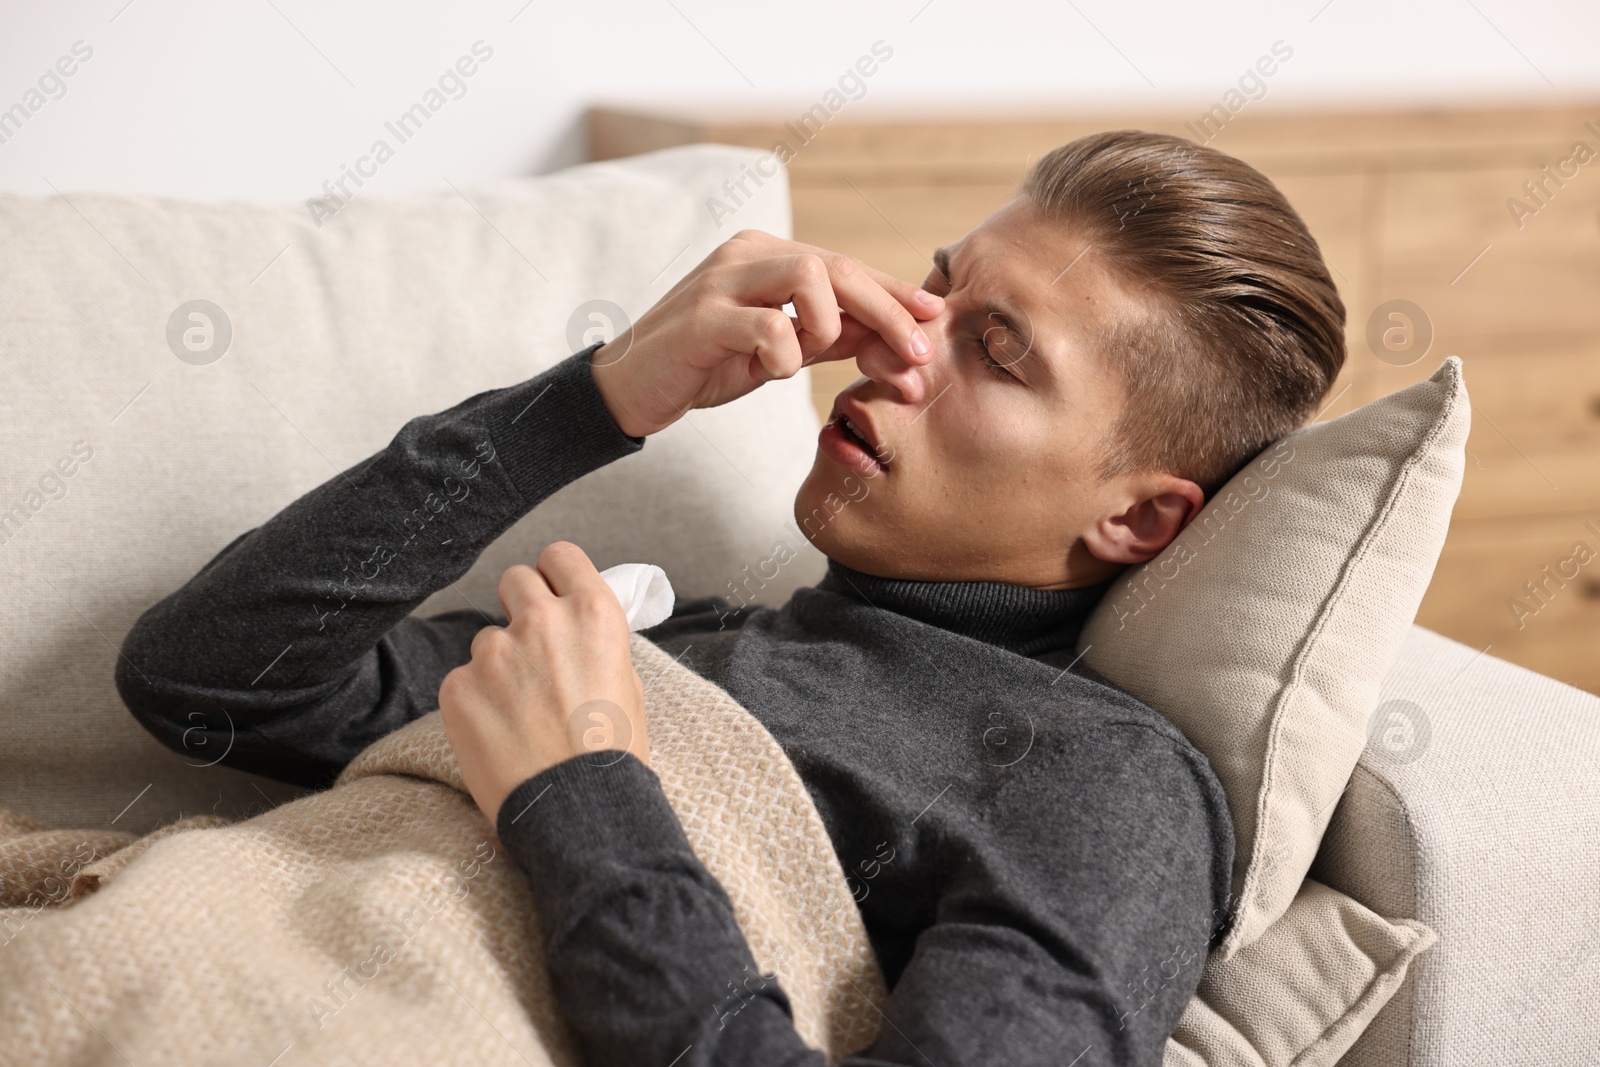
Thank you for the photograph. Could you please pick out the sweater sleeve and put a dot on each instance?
(649, 965)
(646, 959)
(294, 649)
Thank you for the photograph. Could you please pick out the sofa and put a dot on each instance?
(176, 373)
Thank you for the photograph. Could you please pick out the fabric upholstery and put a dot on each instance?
(1481, 824)
(339, 334)
(1302, 992)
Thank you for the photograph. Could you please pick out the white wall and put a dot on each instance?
(267, 99)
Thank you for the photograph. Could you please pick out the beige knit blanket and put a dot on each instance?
(381, 921)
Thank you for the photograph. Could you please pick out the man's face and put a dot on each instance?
(990, 473)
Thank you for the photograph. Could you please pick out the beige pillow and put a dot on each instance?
(1264, 630)
(124, 467)
(1302, 992)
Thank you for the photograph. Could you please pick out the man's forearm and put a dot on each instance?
(290, 620)
(647, 961)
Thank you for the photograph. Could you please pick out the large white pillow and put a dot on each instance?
(1266, 628)
(123, 468)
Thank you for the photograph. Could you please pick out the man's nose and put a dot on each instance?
(914, 382)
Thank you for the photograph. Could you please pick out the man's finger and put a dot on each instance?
(866, 300)
(802, 280)
(520, 586)
(885, 303)
(914, 298)
(568, 569)
(767, 334)
(875, 359)
(852, 336)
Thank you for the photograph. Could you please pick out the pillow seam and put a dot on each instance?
(1377, 525)
(1409, 953)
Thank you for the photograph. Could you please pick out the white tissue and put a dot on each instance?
(645, 593)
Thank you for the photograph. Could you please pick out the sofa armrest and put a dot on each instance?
(1476, 810)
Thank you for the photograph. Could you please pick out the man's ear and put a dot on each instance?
(1161, 505)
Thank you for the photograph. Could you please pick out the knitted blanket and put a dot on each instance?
(381, 920)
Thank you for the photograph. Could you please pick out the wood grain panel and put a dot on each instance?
(963, 144)
(1450, 244)
(1485, 573)
(1535, 442)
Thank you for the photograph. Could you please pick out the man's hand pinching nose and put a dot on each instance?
(721, 331)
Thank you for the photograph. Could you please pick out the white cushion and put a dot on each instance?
(339, 335)
(1266, 628)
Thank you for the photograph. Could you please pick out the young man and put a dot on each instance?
(1041, 861)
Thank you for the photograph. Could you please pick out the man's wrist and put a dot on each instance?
(603, 368)
(576, 819)
(545, 442)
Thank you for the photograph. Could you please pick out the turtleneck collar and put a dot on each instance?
(1019, 618)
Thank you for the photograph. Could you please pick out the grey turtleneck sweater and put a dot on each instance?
(1040, 860)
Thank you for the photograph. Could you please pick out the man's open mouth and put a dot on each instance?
(848, 444)
(850, 431)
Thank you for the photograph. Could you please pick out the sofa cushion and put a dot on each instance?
(1300, 994)
(1265, 629)
(136, 441)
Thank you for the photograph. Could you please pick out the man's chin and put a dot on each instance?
(830, 509)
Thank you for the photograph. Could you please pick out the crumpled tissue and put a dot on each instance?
(644, 591)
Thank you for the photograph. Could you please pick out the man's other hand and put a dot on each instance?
(556, 682)
(721, 331)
